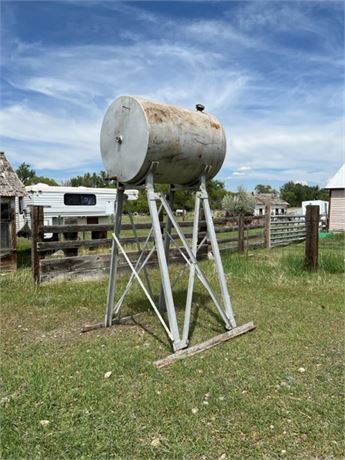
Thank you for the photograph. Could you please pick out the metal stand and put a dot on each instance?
(178, 339)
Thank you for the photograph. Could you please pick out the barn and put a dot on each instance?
(10, 188)
(336, 212)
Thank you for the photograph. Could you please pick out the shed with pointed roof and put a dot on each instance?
(336, 210)
(10, 188)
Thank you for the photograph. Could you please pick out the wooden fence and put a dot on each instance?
(83, 251)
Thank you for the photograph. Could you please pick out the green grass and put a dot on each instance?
(23, 252)
(331, 257)
(259, 404)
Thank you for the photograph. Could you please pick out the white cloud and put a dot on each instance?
(281, 108)
(78, 83)
(244, 168)
(22, 123)
(219, 31)
(79, 74)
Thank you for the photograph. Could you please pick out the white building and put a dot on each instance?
(336, 214)
(278, 206)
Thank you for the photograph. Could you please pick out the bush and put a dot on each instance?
(240, 203)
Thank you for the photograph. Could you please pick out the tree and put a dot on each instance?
(28, 176)
(140, 205)
(216, 191)
(260, 188)
(323, 195)
(43, 180)
(25, 173)
(240, 203)
(295, 193)
(91, 180)
(184, 199)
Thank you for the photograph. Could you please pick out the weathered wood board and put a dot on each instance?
(95, 266)
(191, 351)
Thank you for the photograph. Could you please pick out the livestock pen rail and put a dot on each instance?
(83, 251)
(71, 253)
(286, 229)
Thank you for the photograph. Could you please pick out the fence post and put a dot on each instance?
(312, 237)
(240, 233)
(268, 226)
(37, 213)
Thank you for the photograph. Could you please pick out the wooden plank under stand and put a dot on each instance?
(200, 347)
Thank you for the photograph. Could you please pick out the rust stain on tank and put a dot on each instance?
(215, 125)
(158, 113)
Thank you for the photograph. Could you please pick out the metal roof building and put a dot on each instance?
(336, 187)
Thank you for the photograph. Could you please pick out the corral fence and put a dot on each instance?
(82, 251)
(286, 229)
(75, 251)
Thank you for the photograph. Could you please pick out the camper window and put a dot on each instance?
(79, 199)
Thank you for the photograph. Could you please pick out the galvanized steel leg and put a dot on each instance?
(192, 269)
(114, 257)
(163, 267)
(168, 226)
(191, 259)
(216, 254)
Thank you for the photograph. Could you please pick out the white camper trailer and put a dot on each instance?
(323, 205)
(83, 204)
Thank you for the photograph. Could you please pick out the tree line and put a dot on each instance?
(293, 193)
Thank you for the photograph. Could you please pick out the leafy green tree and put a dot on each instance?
(25, 173)
(140, 205)
(295, 193)
(260, 188)
(323, 194)
(28, 176)
(43, 180)
(184, 199)
(217, 191)
(91, 180)
(240, 203)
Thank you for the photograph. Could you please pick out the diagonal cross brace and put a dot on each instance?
(143, 287)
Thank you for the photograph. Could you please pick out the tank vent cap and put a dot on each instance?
(200, 107)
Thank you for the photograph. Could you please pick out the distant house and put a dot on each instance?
(10, 188)
(180, 212)
(278, 206)
(336, 211)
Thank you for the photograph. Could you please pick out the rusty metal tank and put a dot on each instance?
(137, 132)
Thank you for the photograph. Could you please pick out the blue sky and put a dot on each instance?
(272, 72)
